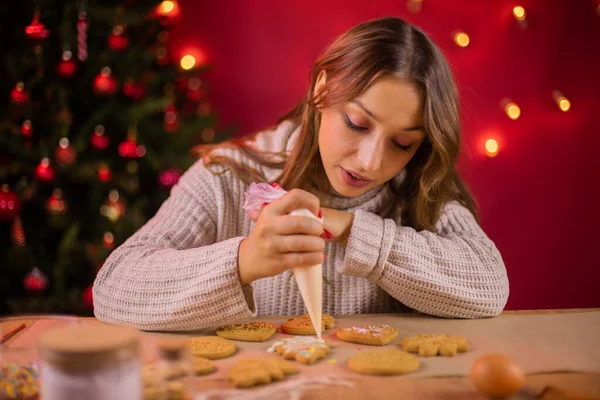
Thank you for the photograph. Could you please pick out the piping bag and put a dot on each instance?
(309, 279)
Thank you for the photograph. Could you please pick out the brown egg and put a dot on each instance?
(496, 375)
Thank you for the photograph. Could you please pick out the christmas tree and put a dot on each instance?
(96, 126)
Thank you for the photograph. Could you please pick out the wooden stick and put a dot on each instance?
(11, 333)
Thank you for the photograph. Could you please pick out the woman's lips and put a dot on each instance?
(353, 179)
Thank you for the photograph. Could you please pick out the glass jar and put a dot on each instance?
(91, 362)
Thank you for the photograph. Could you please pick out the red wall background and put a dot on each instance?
(539, 198)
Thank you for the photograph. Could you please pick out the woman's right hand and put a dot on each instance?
(280, 241)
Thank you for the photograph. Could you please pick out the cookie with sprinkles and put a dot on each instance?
(303, 325)
(374, 335)
(254, 331)
(19, 381)
(305, 350)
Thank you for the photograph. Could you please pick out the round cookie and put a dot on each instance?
(248, 332)
(202, 366)
(374, 335)
(211, 347)
(383, 362)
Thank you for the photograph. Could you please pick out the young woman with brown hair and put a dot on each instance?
(372, 148)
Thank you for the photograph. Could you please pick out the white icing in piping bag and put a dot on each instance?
(310, 283)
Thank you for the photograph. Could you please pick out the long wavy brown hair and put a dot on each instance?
(353, 62)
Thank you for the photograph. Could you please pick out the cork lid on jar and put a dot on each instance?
(87, 347)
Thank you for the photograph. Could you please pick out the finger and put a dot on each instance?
(295, 199)
(299, 243)
(295, 260)
(326, 235)
(290, 224)
(253, 214)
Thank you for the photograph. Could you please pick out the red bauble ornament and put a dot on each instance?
(194, 92)
(36, 31)
(104, 83)
(130, 149)
(65, 153)
(104, 173)
(67, 66)
(56, 205)
(26, 128)
(35, 281)
(108, 240)
(117, 41)
(44, 172)
(10, 205)
(168, 177)
(133, 90)
(19, 95)
(171, 122)
(87, 298)
(98, 139)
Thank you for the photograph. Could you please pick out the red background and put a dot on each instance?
(538, 197)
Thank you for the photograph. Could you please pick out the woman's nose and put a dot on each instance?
(370, 153)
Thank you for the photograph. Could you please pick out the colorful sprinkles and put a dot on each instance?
(19, 381)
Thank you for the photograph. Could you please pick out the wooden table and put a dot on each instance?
(421, 388)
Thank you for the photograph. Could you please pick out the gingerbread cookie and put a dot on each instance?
(328, 320)
(256, 371)
(374, 335)
(306, 350)
(150, 378)
(383, 362)
(304, 326)
(429, 345)
(211, 347)
(248, 332)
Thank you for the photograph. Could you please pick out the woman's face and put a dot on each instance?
(369, 140)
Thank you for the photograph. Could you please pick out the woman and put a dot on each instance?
(372, 148)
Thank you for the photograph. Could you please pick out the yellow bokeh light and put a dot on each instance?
(166, 6)
(519, 13)
(513, 111)
(462, 39)
(491, 147)
(188, 61)
(564, 104)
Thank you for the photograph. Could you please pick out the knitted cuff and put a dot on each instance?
(369, 244)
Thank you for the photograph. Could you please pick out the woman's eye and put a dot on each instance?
(402, 146)
(353, 126)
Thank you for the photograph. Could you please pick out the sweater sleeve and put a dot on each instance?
(456, 272)
(171, 275)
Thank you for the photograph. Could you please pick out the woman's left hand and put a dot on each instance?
(336, 224)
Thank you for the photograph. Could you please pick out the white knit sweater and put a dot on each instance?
(179, 271)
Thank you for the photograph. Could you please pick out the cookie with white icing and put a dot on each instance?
(304, 349)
